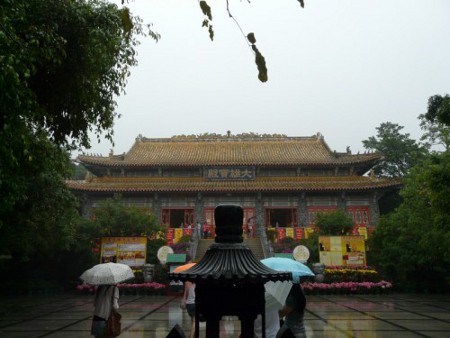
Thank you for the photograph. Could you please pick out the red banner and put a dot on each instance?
(280, 233)
(170, 235)
(298, 233)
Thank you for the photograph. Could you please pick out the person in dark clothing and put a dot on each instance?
(293, 312)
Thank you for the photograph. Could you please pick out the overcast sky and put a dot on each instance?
(338, 67)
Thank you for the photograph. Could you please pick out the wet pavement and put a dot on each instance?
(69, 316)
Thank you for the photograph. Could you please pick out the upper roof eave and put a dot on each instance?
(107, 163)
(234, 151)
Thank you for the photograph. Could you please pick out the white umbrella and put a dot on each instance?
(276, 294)
(107, 273)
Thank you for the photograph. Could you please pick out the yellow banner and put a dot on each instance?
(290, 232)
(177, 235)
(308, 231)
(362, 231)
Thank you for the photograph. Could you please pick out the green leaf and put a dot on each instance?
(251, 38)
(260, 64)
(206, 9)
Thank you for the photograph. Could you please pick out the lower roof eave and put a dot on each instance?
(219, 191)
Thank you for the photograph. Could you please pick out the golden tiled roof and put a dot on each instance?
(263, 151)
(262, 184)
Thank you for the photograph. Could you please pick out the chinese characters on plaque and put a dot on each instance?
(230, 173)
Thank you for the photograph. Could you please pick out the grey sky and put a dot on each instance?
(338, 67)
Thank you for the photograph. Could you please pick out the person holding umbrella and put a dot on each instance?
(294, 307)
(106, 276)
(293, 312)
(275, 297)
(106, 299)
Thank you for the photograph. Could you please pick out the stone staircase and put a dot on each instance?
(254, 244)
(203, 245)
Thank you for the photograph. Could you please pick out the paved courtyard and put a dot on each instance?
(396, 315)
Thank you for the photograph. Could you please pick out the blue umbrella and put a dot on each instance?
(287, 264)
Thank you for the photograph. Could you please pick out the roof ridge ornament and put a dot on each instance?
(227, 136)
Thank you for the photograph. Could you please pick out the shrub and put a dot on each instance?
(271, 235)
(285, 245)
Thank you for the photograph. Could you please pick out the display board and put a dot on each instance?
(131, 251)
(342, 250)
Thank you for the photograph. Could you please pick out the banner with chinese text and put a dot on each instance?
(342, 250)
(131, 251)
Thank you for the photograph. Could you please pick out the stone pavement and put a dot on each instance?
(367, 316)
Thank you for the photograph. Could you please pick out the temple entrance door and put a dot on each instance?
(208, 216)
(189, 217)
(178, 218)
(283, 217)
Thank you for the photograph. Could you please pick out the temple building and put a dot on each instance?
(281, 182)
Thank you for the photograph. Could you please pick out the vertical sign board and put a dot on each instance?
(342, 250)
(177, 235)
(308, 231)
(170, 236)
(298, 233)
(290, 232)
(131, 251)
(280, 233)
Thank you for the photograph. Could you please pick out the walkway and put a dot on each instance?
(69, 316)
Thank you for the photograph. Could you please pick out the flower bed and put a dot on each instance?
(346, 288)
(131, 289)
(338, 274)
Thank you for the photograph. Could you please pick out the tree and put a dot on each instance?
(411, 244)
(400, 152)
(40, 233)
(436, 122)
(44, 217)
(114, 219)
(439, 109)
(61, 64)
(111, 219)
(336, 223)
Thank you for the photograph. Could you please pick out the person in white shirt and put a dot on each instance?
(188, 303)
(272, 324)
(106, 298)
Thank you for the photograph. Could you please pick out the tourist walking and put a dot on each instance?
(106, 298)
(272, 324)
(188, 303)
(250, 228)
(205, 230)
(199, 230)
(293, 312)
